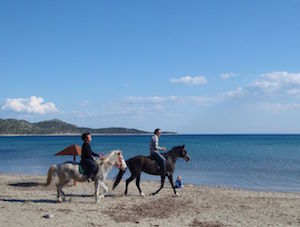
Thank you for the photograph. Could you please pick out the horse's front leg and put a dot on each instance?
(170, 177)
(97, 186)
(105, 189)
(162, 181)
(60, 194)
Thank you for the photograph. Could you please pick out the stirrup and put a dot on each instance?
(88, 179)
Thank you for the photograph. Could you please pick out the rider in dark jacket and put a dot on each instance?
(87, 161)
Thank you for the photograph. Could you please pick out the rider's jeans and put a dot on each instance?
(160, 159)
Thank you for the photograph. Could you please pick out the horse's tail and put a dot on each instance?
(119, 177)
(51, 170)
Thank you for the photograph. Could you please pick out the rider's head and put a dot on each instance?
(86, 137)
(157, 131)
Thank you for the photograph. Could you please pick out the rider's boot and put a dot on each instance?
(93, 178)
(87, 178)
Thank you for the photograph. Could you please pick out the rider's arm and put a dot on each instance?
(156, 144)
(95, 154)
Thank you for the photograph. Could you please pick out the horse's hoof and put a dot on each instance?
(177, 194)
(59, 200)
(142, 194)
(99, 198)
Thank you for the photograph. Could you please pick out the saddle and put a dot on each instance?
(150, 157)
(157, 166)
(81, 169)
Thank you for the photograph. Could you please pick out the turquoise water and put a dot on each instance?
(258, 162)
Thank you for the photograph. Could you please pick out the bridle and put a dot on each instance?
(118, 163)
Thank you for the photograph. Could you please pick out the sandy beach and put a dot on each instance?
(25, 201)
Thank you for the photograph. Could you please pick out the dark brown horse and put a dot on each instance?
(145, 164)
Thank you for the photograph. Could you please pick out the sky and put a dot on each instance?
(185, 66)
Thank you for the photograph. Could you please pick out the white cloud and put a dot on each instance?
(276, 81)
(145, 107)
(275, 106)
(83, 103)
(167, 99)
(271, 91)
(226, 76)
(235, 93)
(33, 105)
(188, 80)
(146, 99)
(293, 91)
(271, 85)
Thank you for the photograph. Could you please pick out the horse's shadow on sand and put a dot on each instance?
(51, 201)
(26, 184)
(37, 184)
(29, 200)
(89, 195)
(30, 184)
(79, 195)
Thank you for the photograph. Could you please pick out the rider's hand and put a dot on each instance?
(163, 148)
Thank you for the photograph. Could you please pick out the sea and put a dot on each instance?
(253, 162)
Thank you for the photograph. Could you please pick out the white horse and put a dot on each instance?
(70, 170)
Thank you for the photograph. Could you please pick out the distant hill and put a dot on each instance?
(13, 126)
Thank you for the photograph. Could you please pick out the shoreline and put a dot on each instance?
(228, 187)
(167, 183)
(197, 205)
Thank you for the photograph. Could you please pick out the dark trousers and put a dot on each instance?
(90, 167)
(160, 160)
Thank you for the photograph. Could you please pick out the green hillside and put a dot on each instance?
(13, 126)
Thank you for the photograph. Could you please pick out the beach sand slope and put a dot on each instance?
(25, 201)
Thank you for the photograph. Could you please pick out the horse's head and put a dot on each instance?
(114, 158)
(120, 162)
(182, 153)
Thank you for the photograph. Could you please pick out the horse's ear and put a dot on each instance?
(183, 145)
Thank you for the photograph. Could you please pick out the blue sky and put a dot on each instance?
(184, 66)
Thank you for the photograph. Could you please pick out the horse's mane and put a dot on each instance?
(173, 149)
(107, 157)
